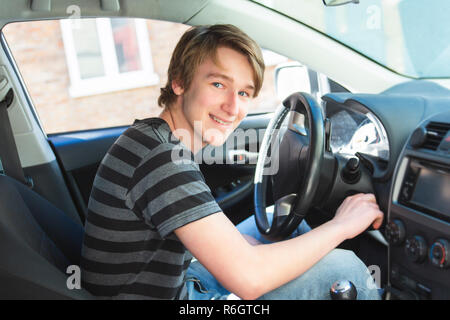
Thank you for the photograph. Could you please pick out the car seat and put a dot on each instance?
(37, 243)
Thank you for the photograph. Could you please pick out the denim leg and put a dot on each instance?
(316, 282)
(202, 285)
(248, 226)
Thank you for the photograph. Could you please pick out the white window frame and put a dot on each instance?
(112, 80)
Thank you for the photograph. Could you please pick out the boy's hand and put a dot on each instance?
(357, 213)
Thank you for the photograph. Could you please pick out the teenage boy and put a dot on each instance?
(150, 213)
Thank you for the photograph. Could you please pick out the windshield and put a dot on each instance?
(410, 37)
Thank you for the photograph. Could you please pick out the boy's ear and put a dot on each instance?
(177, 87)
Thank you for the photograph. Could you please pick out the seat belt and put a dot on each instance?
(9, 156)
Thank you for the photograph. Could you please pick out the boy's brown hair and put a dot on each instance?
(201, 42)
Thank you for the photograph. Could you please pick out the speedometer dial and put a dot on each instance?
(353, 131)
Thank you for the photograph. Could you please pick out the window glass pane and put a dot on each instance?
(267, 100)
(125, 42)
(87, 49)
(39, 51)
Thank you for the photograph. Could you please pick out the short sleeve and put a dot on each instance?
(168, 190)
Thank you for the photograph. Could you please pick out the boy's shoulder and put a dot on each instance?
(154, 128)
(148, 135)
(151, 138)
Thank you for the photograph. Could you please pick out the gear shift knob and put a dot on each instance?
(343, 290)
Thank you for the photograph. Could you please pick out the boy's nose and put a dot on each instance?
(231, 105)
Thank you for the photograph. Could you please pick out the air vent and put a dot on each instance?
(436, 131)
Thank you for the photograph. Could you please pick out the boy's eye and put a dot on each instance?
(217, 85)
(243, 93)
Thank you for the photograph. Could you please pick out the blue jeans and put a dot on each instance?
(314, 284)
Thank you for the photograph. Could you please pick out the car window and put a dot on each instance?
(96, 73)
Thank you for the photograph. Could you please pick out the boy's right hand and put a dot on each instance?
(357, 213)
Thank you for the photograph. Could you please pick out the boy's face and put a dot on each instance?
(218, 97)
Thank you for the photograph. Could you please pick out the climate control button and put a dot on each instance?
(395, 232)
(416, 248)
(439, 252)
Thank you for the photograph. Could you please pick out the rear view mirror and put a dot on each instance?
(291, 77)
(331, 3)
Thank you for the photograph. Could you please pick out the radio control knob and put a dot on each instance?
(439, 252)
(416, 248)
(395, 232)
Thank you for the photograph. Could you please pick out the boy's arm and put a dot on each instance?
(251, 271)
(251, 240)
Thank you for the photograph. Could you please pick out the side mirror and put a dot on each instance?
(291, 77)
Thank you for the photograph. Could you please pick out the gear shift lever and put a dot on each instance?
(343, 290)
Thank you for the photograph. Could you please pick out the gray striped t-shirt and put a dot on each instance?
(146, 186)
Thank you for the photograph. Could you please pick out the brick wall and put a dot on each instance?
(38, 50)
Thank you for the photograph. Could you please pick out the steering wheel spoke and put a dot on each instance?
(283, 206)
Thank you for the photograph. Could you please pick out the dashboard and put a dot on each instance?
(418, 226)
(405, 131)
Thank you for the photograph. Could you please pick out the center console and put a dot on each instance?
(418, 225)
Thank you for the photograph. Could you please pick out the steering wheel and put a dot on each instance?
(294, 165)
